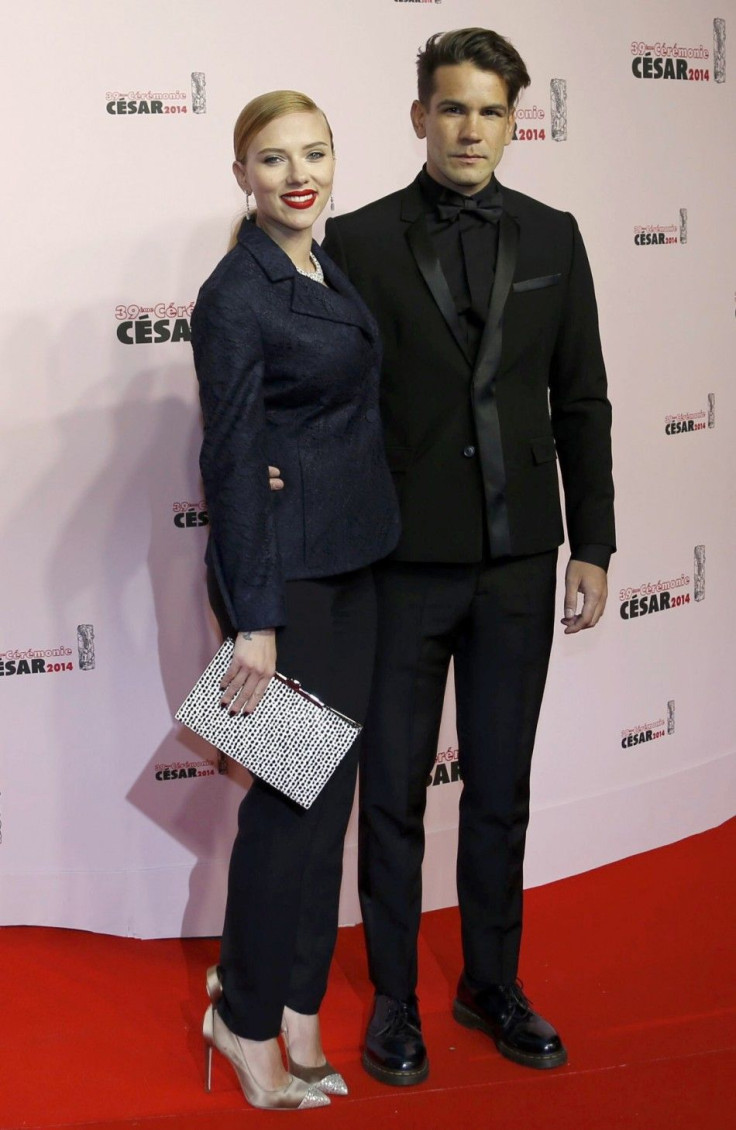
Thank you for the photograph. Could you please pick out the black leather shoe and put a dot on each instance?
(504, 1013)
(394, 1051)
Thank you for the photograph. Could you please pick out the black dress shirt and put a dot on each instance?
(466, 248)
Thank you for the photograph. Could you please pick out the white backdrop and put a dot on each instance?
(112, 818)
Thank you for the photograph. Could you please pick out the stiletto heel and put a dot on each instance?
(207, 1037)
(296, 1095)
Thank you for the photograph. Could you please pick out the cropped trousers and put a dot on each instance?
(286, 865)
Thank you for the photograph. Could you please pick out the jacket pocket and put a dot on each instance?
(536, 284)
(543, 450)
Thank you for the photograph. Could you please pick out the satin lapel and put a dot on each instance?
(429, 265)
(489, 351)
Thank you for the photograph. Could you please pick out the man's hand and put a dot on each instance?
(591, 582)
(250, 670)
(274, 480)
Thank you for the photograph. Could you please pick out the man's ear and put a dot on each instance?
(510, 127)
(418, 116)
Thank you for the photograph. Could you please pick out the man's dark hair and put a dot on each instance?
(483, 48)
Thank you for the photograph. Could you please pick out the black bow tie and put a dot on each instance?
(490, 210)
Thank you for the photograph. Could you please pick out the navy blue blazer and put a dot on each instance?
(288, 374)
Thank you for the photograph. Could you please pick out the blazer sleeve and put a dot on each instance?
(243, 549)
(580, 410)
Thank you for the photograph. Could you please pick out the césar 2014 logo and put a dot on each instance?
(190, 515)
(670, 61)
(650, 731)
(153, 325)
(121, 103)
(51, 660)
(659, 597)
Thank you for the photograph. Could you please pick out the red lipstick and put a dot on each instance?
(300, 200)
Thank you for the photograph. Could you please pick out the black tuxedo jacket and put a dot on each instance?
(476, 442)
(288, 374)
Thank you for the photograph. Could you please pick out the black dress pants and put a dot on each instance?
(286, 865)
(496, 621)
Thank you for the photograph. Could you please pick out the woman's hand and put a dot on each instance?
(250, 670)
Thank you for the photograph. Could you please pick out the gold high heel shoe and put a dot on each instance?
(326, 1078)
(296, 1095)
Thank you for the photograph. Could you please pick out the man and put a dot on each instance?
(492, 372)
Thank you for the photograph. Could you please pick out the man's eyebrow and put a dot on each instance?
(446, 103)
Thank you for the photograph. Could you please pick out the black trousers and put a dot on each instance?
(286, 865)
(496, 621)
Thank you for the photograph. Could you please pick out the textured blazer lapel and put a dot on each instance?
(337, 302)
(489, 351)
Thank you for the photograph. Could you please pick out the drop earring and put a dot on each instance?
(332, 203)
(247, 204)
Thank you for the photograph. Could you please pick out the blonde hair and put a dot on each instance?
(264, 109)
(258, 114)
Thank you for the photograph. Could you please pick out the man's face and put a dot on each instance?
(467, 125)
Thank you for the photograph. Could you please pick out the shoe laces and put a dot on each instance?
(398, 1019)
(517, 994)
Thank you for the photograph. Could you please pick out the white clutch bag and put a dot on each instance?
(291, 741)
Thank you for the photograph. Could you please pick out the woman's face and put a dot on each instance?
(289, 169)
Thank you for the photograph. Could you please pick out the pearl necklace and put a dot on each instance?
(317, 275)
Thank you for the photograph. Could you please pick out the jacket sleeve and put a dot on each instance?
(581, 412)
(243, 549)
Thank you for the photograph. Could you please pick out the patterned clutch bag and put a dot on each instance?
(291, 741)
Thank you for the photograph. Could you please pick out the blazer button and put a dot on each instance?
(469, 451)
(371, 415)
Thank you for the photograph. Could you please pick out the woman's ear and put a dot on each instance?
(240, 176)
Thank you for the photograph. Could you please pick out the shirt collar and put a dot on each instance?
(434, 193)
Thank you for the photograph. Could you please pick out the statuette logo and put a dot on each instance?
(199, 93)
(558, 100)
(699, 568)
(86, 646)
(719, 50)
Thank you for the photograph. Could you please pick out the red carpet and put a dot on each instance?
(634, 962)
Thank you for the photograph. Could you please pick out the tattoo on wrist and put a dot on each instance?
(246, 635)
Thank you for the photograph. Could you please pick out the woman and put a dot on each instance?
(287, 358)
